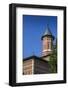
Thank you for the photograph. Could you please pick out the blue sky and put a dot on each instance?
(33, 29)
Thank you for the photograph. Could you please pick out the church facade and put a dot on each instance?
(40, 65)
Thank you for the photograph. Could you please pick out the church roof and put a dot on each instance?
(47, 32)
(35, 58)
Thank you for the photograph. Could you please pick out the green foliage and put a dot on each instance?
(53, 60)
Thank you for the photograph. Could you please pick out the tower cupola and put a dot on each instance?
(47, 40)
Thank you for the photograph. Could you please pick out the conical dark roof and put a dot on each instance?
(47, 32)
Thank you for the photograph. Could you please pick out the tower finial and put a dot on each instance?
(47, 21)
(48, 25)
(33, 53)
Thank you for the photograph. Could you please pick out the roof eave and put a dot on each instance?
(47, 36)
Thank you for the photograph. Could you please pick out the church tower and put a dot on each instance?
(47, 41)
